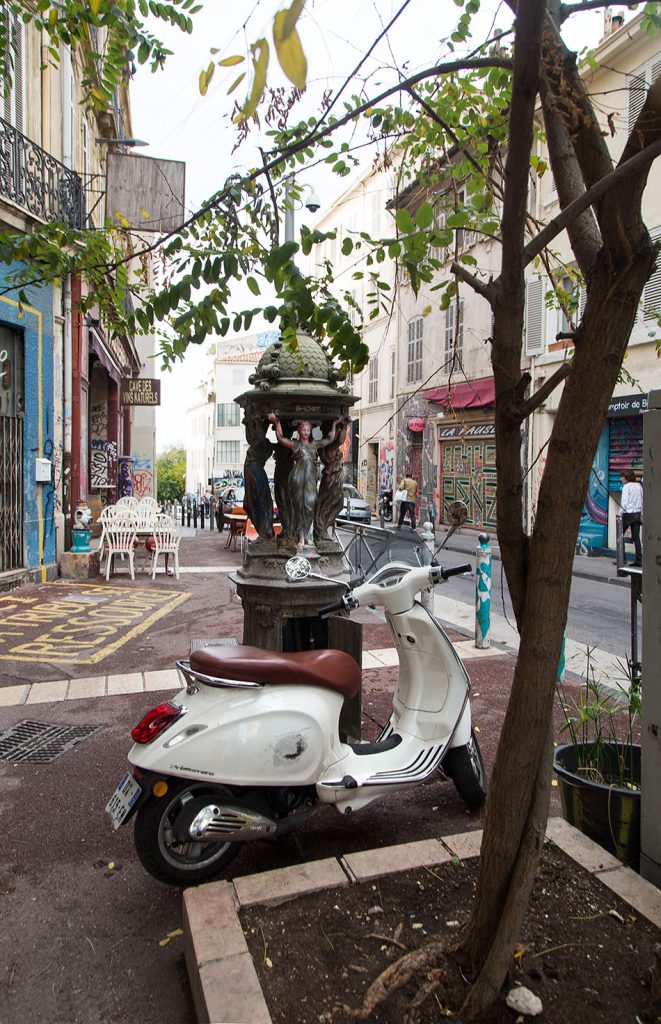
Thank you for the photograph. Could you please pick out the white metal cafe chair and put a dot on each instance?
(127, 502)
(164, 541)
(121, 540)
(105, 516)
(148, 502)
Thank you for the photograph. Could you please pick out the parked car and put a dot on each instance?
(231, 496)
(355, 506)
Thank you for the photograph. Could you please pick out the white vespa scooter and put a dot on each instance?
(252, 746)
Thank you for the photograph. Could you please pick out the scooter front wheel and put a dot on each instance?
(464, 765)
(166, 857)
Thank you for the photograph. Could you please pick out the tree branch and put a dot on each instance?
(566, 10)
(590, 197)
(487, 291)
(543, 393)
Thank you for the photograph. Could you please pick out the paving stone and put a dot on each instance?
(465, 844)
(166, 679)
(368, 864)
(228, 992)
(387, 656)
(211, 926)
(131, 682)
(273, 887)
(10, 696)
(93, 686)
(45, 693)
(638, 892)
(369, 661)
(584, 851)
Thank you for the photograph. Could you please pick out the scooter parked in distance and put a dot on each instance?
(251, 748)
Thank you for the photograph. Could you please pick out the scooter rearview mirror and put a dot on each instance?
(457, 514)
(297, 568)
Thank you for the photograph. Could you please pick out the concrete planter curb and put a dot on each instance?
(223, 979)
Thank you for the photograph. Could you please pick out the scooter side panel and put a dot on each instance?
(274, 736)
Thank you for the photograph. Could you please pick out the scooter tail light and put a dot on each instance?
(156, 721)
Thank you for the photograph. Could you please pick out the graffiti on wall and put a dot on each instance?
(415, 449)
(103, 463)
(468, 472)
(143, 476)
(386, 465)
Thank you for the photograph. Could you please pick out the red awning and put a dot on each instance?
(469, 394)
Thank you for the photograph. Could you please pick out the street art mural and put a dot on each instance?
(468, 473)
(415, 450)
(593, 531)
(143, 476)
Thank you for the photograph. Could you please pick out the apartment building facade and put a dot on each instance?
(62, 424)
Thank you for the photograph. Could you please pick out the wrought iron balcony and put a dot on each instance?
(37, 182)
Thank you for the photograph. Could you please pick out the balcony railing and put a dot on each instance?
(37, 182)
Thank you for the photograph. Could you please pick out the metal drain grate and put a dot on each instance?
(229, 641)
(40, 743)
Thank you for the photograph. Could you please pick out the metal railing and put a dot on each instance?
(368, 548)
(37, 182)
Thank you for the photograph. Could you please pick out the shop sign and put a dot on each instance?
(140, 391)
(416, 424)
(464, 431)
(628, 405)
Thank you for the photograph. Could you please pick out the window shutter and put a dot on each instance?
(652, 291)
(534, 321)
(14, 96)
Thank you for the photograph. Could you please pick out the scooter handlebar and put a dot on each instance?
(328, 609)
(456, 570)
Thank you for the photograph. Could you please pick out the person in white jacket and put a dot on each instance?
(632, 510)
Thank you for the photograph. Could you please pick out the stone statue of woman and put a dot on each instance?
(303, 474)
(258, 501)
(330, 499)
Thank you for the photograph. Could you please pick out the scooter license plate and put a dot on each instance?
(121, 802)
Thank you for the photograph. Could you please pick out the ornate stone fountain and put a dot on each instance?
(299, 395)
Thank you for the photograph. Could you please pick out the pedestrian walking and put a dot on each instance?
(410, 486)
(631, 507)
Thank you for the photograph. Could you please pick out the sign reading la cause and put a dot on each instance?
(140, 391)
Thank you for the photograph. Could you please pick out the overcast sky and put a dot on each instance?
(179, 124)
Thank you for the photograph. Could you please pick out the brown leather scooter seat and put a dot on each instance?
(334, 670)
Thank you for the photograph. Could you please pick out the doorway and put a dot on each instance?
(12, 414)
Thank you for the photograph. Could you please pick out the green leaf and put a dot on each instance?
(260, 63)
(424, 215)
(404, 221)
(205, 78)
(229, 62)
(347, 246)
(289, 52)
(252, 284)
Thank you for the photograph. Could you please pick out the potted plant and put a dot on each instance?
(599, 769)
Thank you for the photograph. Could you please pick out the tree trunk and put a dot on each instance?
(539, 568)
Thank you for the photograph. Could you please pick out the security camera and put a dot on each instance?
(312, 203)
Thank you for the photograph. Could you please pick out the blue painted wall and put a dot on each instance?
(36, 325)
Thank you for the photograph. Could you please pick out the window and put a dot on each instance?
(373, 380)
(228, 451)
(228, 414)
(652, 290)
(639, 82)
(454, 331)
(13, 94)
(414, 355)
(392, 373)
(534, 317)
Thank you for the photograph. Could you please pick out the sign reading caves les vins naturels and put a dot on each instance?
(140, 391)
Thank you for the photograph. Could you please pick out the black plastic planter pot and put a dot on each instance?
(608, 814)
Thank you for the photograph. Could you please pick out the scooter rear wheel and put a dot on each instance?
(164, 856)
(464, 765)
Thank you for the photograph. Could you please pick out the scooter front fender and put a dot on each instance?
(278, 735)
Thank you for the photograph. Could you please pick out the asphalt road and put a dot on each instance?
(599, 613)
